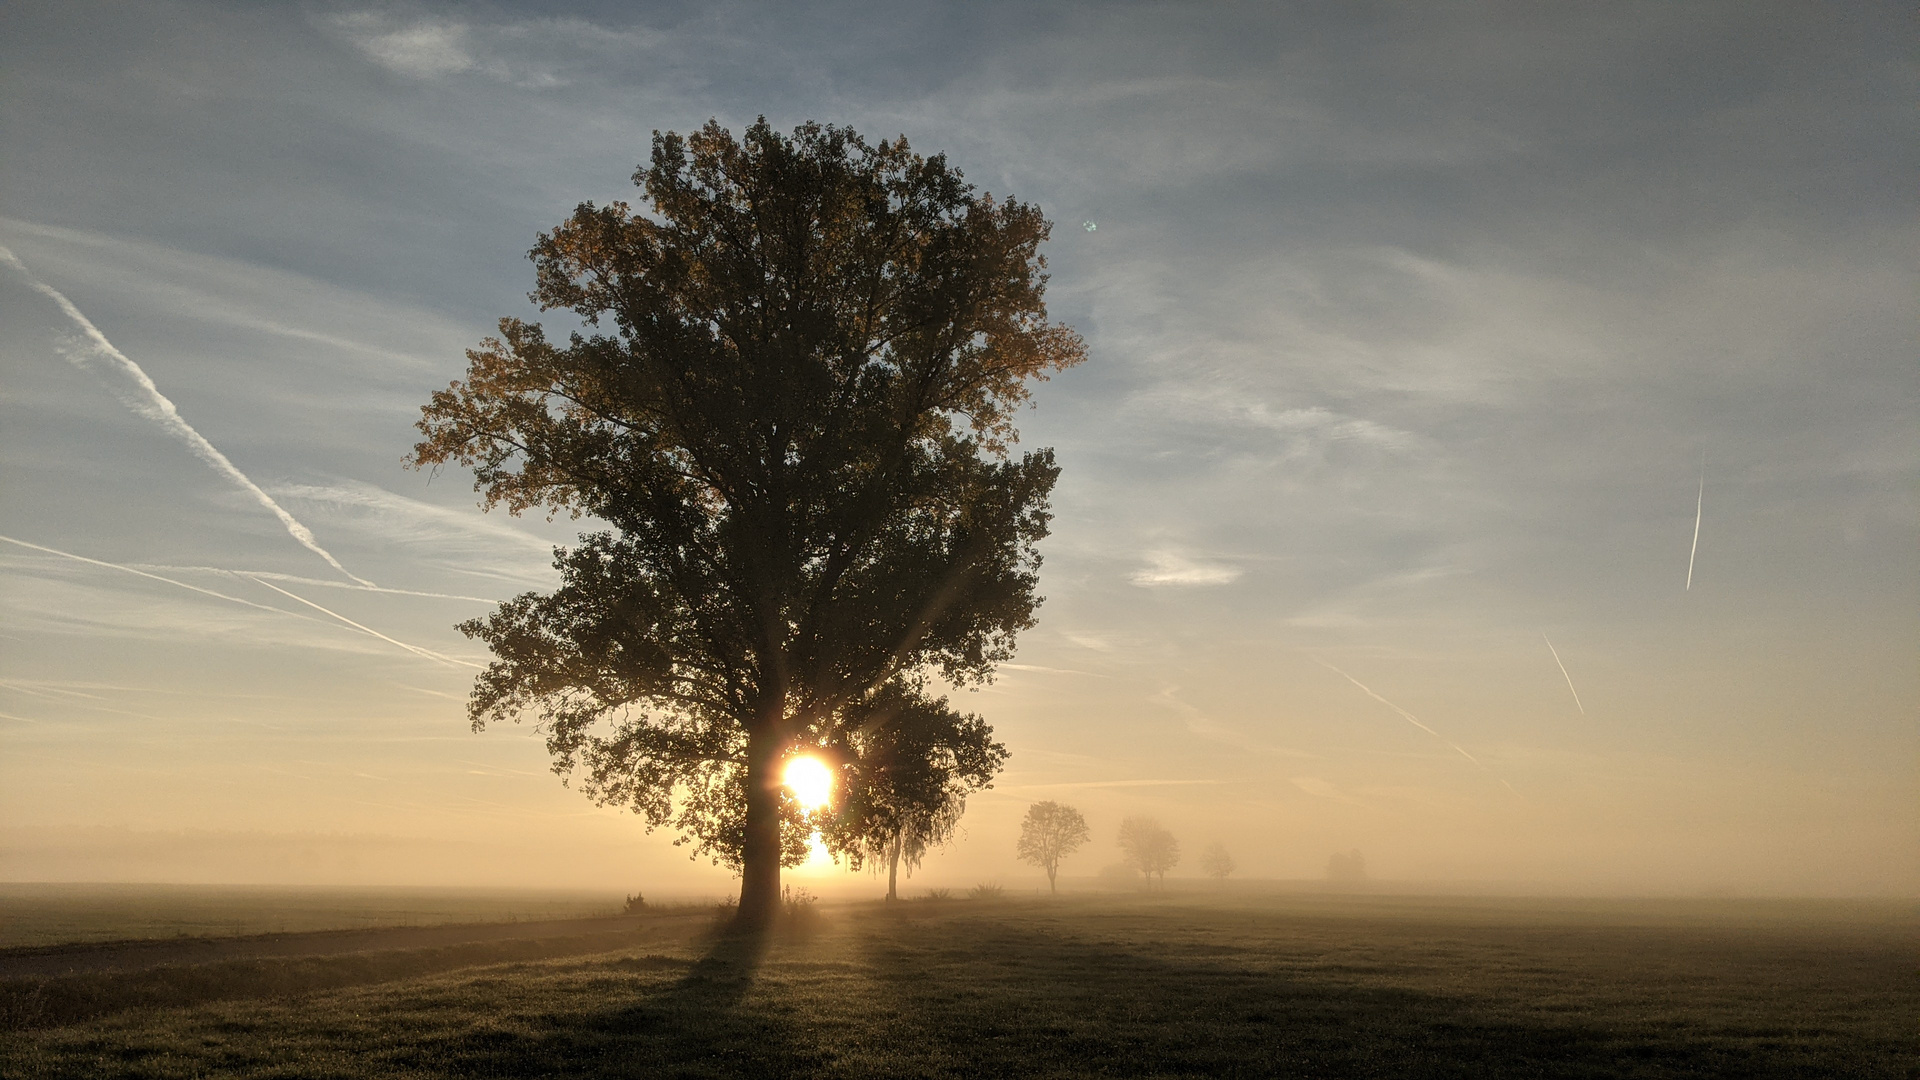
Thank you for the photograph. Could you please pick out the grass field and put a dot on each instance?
(1177, 985)
(55, 914)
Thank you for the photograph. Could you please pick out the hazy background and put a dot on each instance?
(1410, 328)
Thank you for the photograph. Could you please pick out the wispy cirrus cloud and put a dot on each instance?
(422, 49)
(243, 295)
(461, 539)
(336, 616)
(98, 356)
(531, 53)
(1173, 569)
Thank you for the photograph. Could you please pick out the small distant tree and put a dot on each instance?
(1149, 848)
(910, 764)
(1216, 863)
(1049, 833)
(1349, 868)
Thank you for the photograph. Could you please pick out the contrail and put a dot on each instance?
(1699, 503)
(428, 653)
(152, 404)
(155, 577)
(323, 583)
(1414, 720)
(237, 600)
(1563, 674)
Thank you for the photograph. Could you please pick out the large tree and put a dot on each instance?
(1049, 833)
(790, 397)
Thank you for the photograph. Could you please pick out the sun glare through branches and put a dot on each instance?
(810, 781)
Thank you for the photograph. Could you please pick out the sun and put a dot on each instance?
(810, 781)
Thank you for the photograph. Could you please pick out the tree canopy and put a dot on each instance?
(910, 765)
(790, 398)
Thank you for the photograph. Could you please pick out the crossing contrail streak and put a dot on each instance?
(322, 583)
(155, 577)
(1563, 674)
(1699, 503)
(148, 401)
(1415, 721)
(428, 653)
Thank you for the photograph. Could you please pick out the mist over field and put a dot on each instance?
(1496, 453)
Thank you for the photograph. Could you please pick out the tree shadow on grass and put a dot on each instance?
(701, 1024)
(1002, 1001)
(987, 997)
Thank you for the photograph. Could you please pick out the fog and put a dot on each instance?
(1445, 365)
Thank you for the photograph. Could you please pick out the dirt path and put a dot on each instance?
(132, 956)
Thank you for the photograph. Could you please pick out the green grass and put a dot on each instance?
(33, 915)
(1123, 986)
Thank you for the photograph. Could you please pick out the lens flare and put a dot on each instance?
(810, 781)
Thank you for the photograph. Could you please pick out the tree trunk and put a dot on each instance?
(760, 848)
(893, 871)
(1052, 889)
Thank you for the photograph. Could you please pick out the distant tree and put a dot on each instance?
(1049, 833)
(1216, 863)
(1149, 848)
(909, 765)
(1349, 868)
(797, 431)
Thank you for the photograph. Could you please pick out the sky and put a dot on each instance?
(1499, 451)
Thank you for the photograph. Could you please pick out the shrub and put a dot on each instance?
(939, 894)
(797, 908)
(636, 904)
(985, 891)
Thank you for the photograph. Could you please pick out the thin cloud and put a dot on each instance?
(428, 653)
(296, 579)
(1313, 785)
(1123, 784)
(1563, 673)
(1042, 670)
(1699, 504)
(415, 514)
(52, 691)
(241, 295)
(520, 53)
(1167, 568)
(154, 577)
(1412, 719)
(146, 399)
(1324, 789)
(423, 50)
(1200, 724)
